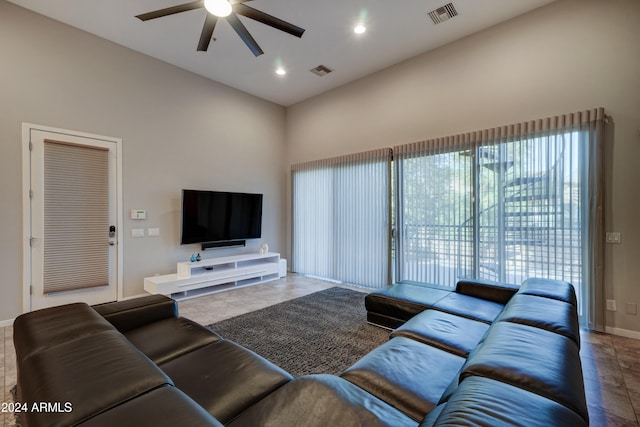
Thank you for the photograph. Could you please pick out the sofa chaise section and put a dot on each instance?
(392, 306)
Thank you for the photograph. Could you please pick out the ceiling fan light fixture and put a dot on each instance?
(219, 8)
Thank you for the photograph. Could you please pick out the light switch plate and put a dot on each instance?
(613, 237)
(153, 232)
(137, 232)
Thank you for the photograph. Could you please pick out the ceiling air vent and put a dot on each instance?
(321, 70)
(443, 13)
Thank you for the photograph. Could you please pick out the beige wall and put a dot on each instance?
(568, 56)
(178, 131)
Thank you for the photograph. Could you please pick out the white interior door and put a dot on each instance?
(74, 221)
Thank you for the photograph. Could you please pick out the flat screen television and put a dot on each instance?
(217, 216)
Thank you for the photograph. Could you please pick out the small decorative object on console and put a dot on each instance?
(264, 249)
(193, 258)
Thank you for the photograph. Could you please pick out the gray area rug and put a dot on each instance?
(324, 332)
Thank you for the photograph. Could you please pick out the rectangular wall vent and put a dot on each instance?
(443, 13)
(321, 70)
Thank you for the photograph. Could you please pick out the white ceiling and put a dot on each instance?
(396, 30)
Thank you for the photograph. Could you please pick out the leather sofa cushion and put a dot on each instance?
(131, 314)
(225, 378)
(402, 301)
(545, 313)
(93, 373)
(408, 375)
(485, 402)
(491, 291)
(167, 339)
(162, 407)
(553, 289)
(533, 359)
(38, 330)
(470, 307)
(455, 334)
(321, 401)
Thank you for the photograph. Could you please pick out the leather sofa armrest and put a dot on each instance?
(134, 313)
(492, 291)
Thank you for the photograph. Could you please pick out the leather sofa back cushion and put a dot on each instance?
(321, 401)
(92, 373)
(553, 289)
(167, 339)
(131, 314)
(484, 402)
(492, 291)
(533, 359)
(545, 313)
(39, 330)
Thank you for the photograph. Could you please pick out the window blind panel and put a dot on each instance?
(76, 217)
(435, 228)
(341, 218)
(525, 199)
(312, 222)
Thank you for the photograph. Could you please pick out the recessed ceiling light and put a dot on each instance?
(281, 71)
(359, 29)
(219, 8)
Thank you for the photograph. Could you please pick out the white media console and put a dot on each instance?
(217, 274)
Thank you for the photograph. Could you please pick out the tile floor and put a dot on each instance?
(611, 364)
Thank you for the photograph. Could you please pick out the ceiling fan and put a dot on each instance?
(229, 10)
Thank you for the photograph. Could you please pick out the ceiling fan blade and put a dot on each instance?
(244, 34)
(267, 19)
(207, 32)
(171, 10)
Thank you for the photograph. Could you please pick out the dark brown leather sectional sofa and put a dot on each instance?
(479, 356)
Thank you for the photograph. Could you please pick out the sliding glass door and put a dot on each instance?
(501, 212)
(342, 218)
(505, 204)
(502, 204)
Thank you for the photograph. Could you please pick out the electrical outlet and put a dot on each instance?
(611, 305)
(632, 308)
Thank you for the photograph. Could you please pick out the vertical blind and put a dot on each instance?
(505, 204)
(341, 218)
(502, 204)
(76, 217)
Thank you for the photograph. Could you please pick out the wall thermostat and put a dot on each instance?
(138, 214)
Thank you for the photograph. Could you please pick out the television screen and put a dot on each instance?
(213, 216)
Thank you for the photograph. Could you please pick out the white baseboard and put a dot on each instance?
(135, 296)
(622, 332)
(4, 323)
